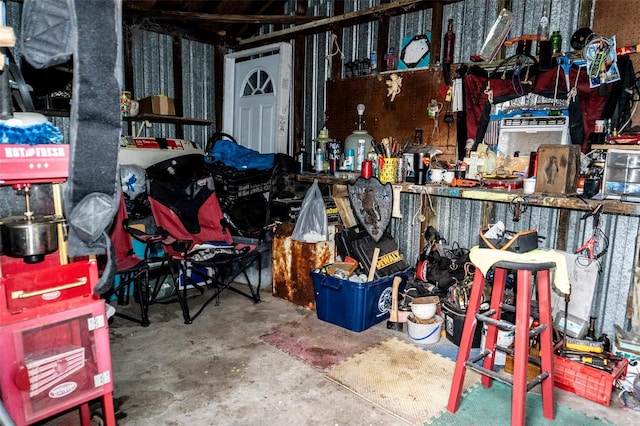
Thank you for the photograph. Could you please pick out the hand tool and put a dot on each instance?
(393, 323)
(465, 182)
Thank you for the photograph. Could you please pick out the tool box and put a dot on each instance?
(588, 382)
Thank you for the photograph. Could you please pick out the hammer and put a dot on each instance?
(392, 323)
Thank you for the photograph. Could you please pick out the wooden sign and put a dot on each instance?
(558, 168)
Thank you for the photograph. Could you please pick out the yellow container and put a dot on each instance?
(389, 169)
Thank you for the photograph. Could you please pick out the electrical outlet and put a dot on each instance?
(448, 117)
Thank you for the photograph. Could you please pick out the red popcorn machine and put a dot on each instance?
(53, 329)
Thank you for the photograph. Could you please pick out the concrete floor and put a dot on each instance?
(217, 371)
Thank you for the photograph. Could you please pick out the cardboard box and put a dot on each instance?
(160, 105)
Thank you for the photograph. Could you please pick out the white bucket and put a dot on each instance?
(424, 333)
(505, 339)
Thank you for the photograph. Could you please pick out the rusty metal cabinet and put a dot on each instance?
(293, 262)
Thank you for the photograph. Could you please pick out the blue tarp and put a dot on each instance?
(240, 157)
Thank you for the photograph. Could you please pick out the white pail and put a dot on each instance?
(424, 334)
(505, 339)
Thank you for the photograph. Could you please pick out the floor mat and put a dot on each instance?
(491, 406)
(408, 382)
(319, 343)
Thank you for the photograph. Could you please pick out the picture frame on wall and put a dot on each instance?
(415, 52)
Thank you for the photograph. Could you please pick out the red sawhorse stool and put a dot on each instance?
(523, 334)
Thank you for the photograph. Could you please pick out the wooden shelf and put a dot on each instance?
(171, 119)
(53, 113)
(609, 146)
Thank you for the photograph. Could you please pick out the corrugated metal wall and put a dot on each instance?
(459, 220)
(472, 21)
(152, 61)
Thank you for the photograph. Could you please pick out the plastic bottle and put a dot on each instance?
(543, 28)
(449, 44)
(556, 42)
(373, 156)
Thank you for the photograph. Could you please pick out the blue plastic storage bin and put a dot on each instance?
(354, 306)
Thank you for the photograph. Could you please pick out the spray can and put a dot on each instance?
(319, 160)
(349, 159)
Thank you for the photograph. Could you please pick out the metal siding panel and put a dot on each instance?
(198, 89)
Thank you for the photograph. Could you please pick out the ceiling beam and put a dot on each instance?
(351, 18)
(226, 18)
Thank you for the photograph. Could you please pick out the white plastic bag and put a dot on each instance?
(312, 224)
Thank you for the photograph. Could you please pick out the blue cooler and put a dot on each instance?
(354, 306)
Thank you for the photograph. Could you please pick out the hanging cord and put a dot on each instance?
(334, 42)
(515, 78)
(635, 97)
(573, 93)
(555, 88)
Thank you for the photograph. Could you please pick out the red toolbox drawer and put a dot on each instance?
(32, 293)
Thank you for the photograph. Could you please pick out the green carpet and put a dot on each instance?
(482, 406)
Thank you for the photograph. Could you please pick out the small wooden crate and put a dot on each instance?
(558, 169)
(533, 370)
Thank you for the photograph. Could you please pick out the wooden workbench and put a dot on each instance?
(571, 202)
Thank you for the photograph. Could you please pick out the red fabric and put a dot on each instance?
(209, 217)
(591, 102)
(121, 240)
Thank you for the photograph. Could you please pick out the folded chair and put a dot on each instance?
(188, 216)
(134, 272)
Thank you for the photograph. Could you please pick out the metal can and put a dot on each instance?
(334, 150)
(319, 160)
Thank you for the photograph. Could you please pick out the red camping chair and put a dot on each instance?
(133, 271)
(188, 215)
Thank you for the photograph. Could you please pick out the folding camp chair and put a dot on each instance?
(187, 213)
(132, 271)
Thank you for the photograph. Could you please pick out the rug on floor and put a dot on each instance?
(491, 406)
(319, 343)
(406, 381)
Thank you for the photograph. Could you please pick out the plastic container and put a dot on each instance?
(588, 382)
(424, 334)
(352, 305)
(505, 339)
(454, 323)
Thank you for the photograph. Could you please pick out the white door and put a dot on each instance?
(257, 97)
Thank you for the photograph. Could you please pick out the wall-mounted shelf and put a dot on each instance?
(171, 119)
(619, 146)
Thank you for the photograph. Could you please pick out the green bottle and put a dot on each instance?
(556, 42)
